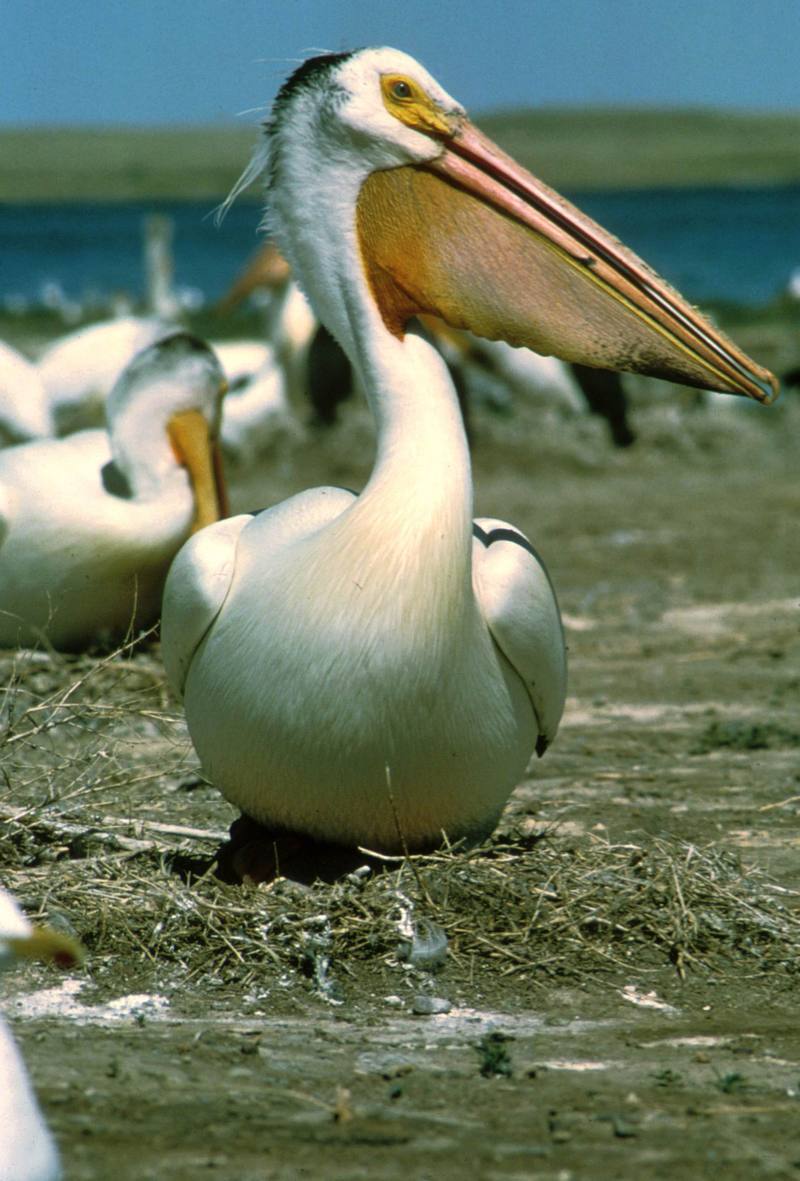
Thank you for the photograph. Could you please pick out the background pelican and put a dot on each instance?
(90, 523)
(24, 404)
(256, 408)
(377, 669)
(79, 370)
(289, 323)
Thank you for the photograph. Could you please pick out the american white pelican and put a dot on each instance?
(27, 1151)
(24, 405)
(256, 408)
(289, 324)
(530, 377)
(571, 388)
(377, 669)
(90, 523)
(79, 370)
(241, 358)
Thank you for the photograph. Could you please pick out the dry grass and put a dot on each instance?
(100, 832)
(72, 725)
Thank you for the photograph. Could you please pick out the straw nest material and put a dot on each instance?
(104, 824)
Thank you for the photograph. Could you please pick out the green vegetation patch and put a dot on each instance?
(596, 148)
(619, 148)
(743, 735)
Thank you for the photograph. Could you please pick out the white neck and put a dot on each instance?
(422, 468)
(422, 447)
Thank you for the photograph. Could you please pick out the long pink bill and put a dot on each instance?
(478, 166)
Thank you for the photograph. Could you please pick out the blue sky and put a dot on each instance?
(204, 61)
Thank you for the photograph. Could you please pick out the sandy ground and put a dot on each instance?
(567, 1051)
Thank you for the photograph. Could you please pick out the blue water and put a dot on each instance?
(713, 244)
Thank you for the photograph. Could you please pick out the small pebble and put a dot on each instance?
(426, 1006)
(622, 1128)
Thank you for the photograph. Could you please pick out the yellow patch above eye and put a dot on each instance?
(409, 103)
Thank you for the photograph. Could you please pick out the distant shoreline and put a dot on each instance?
(571, 149)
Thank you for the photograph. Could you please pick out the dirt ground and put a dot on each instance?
(621, 974)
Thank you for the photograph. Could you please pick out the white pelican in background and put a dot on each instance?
(532, 378)
(376, 669)
(241, 358)
(256, 408)
(24, 405)
(27, 1151)
(290, 324)
(546, 380)
(90, 523)
(79, 370)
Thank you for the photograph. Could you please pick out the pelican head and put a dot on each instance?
(164, 416)
(447, 224)
(375, 108)
(27, 1150)
(20, 940)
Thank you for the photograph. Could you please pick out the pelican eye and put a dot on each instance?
(399, 89)
(407, 101)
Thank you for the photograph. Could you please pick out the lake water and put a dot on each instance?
(713, 244)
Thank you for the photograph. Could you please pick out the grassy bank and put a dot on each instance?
(592, 149)
(51, 164)
(607, 148)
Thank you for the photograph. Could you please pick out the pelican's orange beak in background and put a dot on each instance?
(199, 453)
(47, 945)
(476, 239)
(267, 268)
